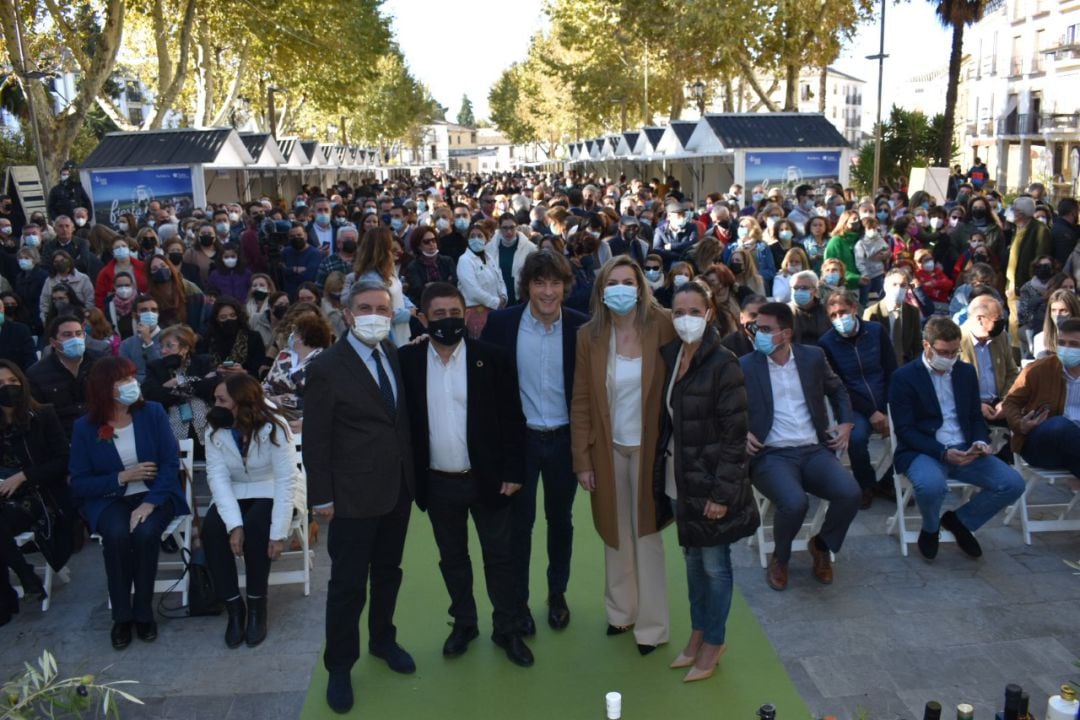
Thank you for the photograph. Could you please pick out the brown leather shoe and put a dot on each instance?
(822, 563)
(776, 574)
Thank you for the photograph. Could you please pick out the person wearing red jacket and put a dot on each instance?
(124, 260)
(932, 279)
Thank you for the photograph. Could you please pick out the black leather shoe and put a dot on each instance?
(120, 635)
(339, 695)
(33, 588)
(396, 657)
(515, 648)
(168, 545)
(928, 544)
(459, 640)
(234, 630)
(617, 629)
(10, 601)
(256, 621)
(645, 649)
(528, 625)
(147, 631)
(558, 612)
(964, 539)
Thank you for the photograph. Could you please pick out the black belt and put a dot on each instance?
(460, 474)
(548, 432)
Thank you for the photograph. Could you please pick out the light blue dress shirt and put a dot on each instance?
(540, 372)
(949, 434)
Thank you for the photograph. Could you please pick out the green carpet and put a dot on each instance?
(574, 667)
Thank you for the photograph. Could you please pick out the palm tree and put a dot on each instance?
(955, 14)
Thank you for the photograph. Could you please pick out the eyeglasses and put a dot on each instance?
(429, 240)
(946, 353)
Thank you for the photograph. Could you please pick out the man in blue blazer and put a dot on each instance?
(540, 336)
(941, 435)
(791, 445)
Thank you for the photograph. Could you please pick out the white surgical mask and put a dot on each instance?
(690, 327)
(230, 262)
(941, 364)
(371, 329)
(124, 292)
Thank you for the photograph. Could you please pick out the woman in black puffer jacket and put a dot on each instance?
(701, 470)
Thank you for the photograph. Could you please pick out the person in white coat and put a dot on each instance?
(480, 280)
(251, 466)
(508, 250)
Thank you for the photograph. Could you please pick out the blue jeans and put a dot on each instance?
(1054, 444)
(1000, 486)
(859, 454)
(876, 285)
(547, 456)
(709, 584)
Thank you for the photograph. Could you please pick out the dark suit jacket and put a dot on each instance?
(16, 343)
(495, 433)
(910, 345)
(916, 411)
(818, 382)
(738, 343)
(356, 455)
(502, 330)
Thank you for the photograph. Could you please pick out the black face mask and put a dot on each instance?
(206, 240)
(9, 395)
(10, 248)
(447, 331)
(172, 362)
(176, 258)
(279, 311)
(161, 275)
(220, 418)
(980, 258)
(1044, 272)
(228, 327)
(259, 295)
(147, 243)
(999, 327)
(978, 213)
(299, 243)
(349, 246)
(736, 268)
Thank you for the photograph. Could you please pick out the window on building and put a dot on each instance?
(135, 114)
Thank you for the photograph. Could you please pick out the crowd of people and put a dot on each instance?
(454, 342)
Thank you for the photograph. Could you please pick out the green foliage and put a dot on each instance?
(465, 115)
(38, 692)
(909, 139)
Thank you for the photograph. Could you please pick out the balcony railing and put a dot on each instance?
(1016, 67)
(1019, 124)
(1060, 122)
(1037, 64)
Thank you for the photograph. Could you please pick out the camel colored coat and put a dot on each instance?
(591, 428)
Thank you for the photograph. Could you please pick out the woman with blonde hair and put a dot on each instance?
(744, 267)
(1062, 305)
(795, 261)
(331, 303)
(614, 430)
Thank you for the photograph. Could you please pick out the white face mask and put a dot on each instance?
(80, 221)
(230, 262)
(124, 292)
(371, 329)
(690, 328)
(895, 296)
(941, 364)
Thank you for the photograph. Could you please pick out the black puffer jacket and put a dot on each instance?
(709, 426)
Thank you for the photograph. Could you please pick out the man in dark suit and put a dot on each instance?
(941, 434)
(540, 337)
(467, 450)
(357, 455)
(902, 319)
(791, 446)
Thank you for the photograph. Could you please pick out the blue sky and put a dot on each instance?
(464, 48)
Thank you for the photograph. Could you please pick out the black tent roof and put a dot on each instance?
(631, 138)
(763, 130)
(255, 142)
(653, 135)
(683, 129)
(158, 147)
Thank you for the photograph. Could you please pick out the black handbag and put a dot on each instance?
(202, 599)
(52, 529)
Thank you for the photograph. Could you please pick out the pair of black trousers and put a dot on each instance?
(131, 556)
(359, 547)
(451, 500)
(14, 521)
(220, 560)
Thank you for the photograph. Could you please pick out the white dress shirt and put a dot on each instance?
(949, 434)
(447, 407)
(124, 442)
(792, 425)
(367, 354)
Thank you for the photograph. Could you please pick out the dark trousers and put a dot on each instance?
(220, 559)
(1054, 444)
(360, 547)
(131, 556)
(547, 456)
(785, 475)
(451, 499)
(14, 520)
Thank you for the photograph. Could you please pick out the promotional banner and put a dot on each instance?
(787, 169)
(116, 192)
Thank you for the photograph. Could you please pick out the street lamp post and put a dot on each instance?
(880, 57)
(271, 108)
(697, 91)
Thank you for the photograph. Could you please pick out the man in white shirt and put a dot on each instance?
(468, 448)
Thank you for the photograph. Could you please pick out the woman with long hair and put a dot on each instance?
(204, 253)
(795, 261)
(429, 265)
(231, 345)
(1062, 305)
(331, 303)
(375, 261)
(63, 272)
(251, 467)
(258, 306)
(231, 277)
(125, 476)
(167, 287)
(721, 282)
(614, 430)
(33, 463)
(743, 266)
(123, 261)
(182, 381)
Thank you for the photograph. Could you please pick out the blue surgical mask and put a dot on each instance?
(786, 235)
(148, 318)
(882, 215)
(396, 224)
(756, 197)
(845, 324)
(461, 224)
(652, 275)
(620, 299)
(322, 218)
(25, 263)
(421, 206)
(764, 344)
(802, 296)
(121, 253)
(222, 228)
(1069, 356)
(477, 244)
(743, 232)
(831, 278)
(32, 241)
(128, 393)
(73, 348)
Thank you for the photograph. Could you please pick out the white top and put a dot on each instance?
(124, 442)
(781, 288)
(1038, 346)
(325, 235)
(792, 425)
(447, 402)
(669, 470)
(949, 434)
(626, 411)
(481, 282)
(1072, 398)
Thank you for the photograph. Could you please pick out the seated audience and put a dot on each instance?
(182, 382)
(60, 378)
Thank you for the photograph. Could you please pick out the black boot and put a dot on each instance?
(256, 621)
(234, 631)
(33, 587)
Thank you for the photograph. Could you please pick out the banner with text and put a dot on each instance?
(787, 169)
(116, 192)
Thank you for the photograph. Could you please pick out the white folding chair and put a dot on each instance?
(905, 491)
(763, 536)
(22, 540)
(1060, 522)
(298, 526)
